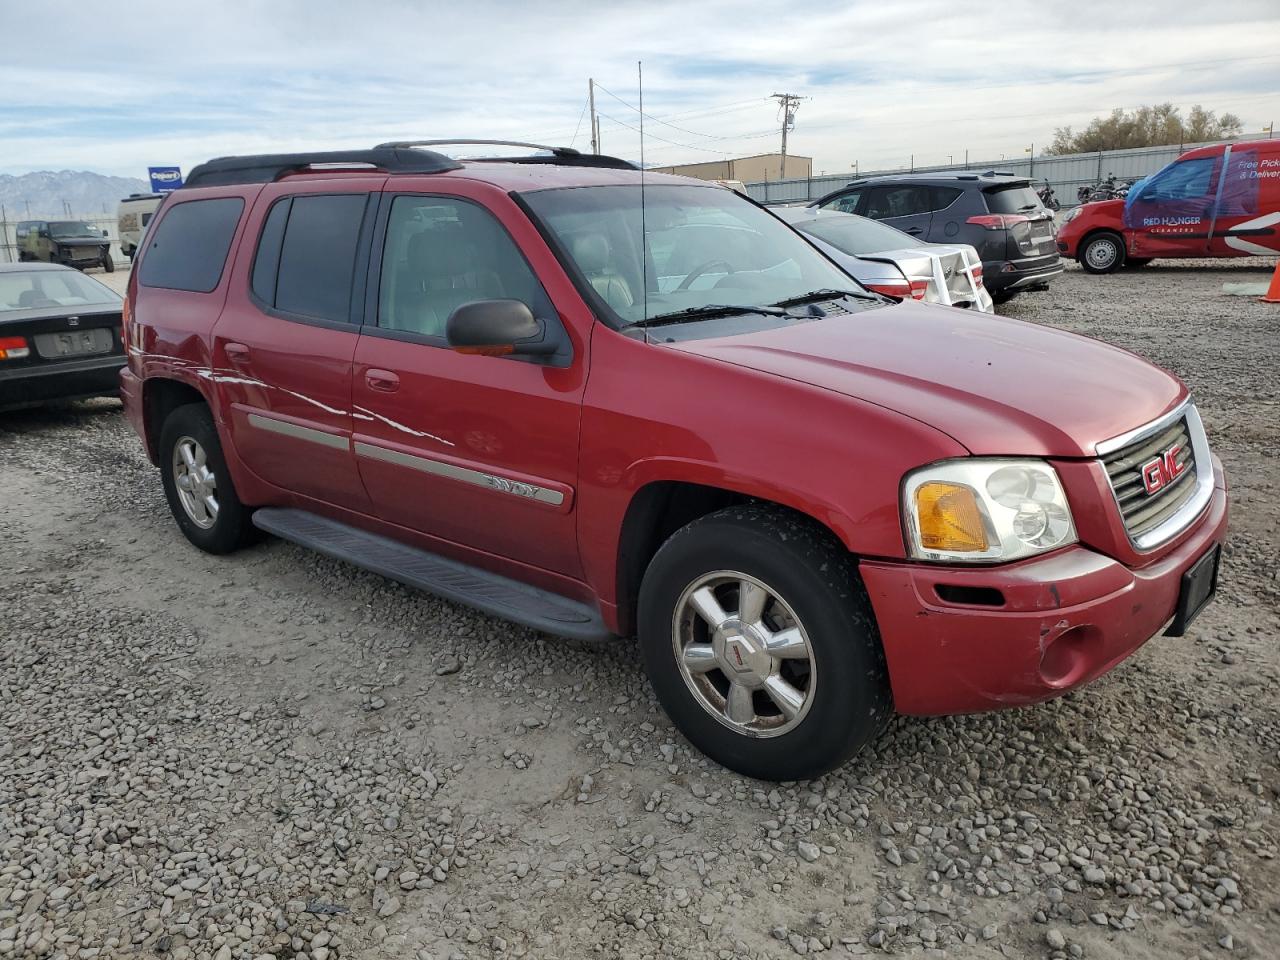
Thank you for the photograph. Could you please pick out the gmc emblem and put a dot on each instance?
(1161, 471)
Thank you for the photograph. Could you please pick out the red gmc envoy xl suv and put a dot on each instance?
(598, 402)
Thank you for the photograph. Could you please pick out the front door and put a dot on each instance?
(908, 207)
(1171, 214)
(284, 345)
(477, 451)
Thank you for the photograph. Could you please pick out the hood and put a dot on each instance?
(997, 386)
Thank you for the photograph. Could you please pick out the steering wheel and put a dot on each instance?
(702, 268)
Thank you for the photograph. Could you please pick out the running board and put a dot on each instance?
(494, 594)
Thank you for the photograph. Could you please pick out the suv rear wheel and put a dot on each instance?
(1102, 252)
(761, 645)
(197, 485)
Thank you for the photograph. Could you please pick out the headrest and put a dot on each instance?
(591, 251)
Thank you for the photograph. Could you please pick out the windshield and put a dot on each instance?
(1019, 199)
(67, 229)
(34, 289)
(703, 246)
(856, 236)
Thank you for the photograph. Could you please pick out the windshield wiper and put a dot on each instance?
(704, 312)
(815, 296)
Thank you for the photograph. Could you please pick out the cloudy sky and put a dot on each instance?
(119, 87)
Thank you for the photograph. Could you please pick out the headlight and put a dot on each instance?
(1072, 214)
(983, 510)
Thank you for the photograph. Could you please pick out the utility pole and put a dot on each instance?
(788, 103)
(595, 128)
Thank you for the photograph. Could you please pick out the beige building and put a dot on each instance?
(766, 166)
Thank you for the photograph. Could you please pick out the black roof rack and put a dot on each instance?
(560, 156)
(267, 167)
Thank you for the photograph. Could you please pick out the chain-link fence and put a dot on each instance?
(1065, 174)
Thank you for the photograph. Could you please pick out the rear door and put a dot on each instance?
(283, 347)
(908, 207)
(1246, 215)
(1172, 213)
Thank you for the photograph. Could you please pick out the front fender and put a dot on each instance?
(652, 414)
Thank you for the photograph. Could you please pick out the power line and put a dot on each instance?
(581, 114)
(687, 146)
(665, 123)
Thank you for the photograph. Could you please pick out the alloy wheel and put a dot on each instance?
(744, 654)
(196, 484)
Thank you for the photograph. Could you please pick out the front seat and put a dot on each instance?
(592, 253)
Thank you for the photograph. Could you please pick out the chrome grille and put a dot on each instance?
(1142, 511)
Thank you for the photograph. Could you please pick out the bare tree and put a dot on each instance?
(1147, 126)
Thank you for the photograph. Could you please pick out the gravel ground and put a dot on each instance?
(277, 755)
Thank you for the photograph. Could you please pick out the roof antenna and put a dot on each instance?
(644, 237)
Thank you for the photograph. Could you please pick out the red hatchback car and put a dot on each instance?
(598, 402)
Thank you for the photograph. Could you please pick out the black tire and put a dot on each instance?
(128, 252)
(231, 528)
(108, 264)
(1102, 252)
(805, 566)
(1134, 263)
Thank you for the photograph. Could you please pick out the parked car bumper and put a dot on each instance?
(1020, 274)
(1065, 620)
(65, 380)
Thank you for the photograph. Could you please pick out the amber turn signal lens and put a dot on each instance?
(950, 518)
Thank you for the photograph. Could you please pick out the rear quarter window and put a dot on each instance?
(189, 247)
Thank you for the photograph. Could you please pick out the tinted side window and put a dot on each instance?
(267, 259)
(845, 203)
(189, 248)
(317, 257)
(441, 253)
(944, 197)
(902, 201)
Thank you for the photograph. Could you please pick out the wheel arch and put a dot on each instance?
(160, 397)
(661, 507)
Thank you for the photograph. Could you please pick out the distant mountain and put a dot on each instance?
(42, 194)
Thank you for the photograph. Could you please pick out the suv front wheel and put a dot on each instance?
(760, 643)
(197, 485)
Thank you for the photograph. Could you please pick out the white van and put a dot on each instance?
(133, 215)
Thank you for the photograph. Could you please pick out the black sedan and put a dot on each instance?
(59, 335)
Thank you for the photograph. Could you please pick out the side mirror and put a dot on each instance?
(498, 328)
(105, 234)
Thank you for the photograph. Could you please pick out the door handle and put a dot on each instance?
(383, 380)
(236, 352)
(914, 230)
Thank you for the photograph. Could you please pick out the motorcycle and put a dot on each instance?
(1108, 189)
(1047, 198)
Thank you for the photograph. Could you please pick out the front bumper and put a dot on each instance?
(64, 380)
(1065, 619)
(80, 257)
